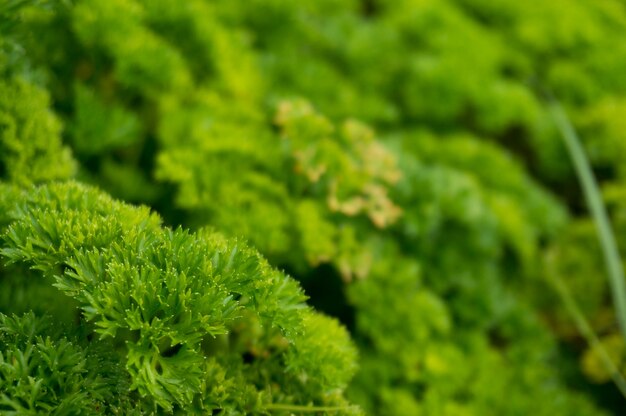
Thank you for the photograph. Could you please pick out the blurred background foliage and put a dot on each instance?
(394, 156)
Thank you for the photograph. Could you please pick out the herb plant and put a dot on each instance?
(177, 177)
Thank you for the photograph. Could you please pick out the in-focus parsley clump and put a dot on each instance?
(197, 323)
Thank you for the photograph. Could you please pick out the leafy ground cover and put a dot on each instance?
(177, 177)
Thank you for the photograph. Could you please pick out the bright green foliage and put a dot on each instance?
(100, 127)
(445, 358)
(163, 296)
(468, 65)
(43, 372)
(310, 176)
(394, 156)
(30, 142)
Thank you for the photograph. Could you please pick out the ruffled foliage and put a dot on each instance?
(171, 304)
(394, 156)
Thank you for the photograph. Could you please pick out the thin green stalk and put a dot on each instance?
(587, 331)
(304, 409)
(598, 212)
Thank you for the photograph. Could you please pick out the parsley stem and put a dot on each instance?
(304, 409)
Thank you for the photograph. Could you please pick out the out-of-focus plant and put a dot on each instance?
(387, 154)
